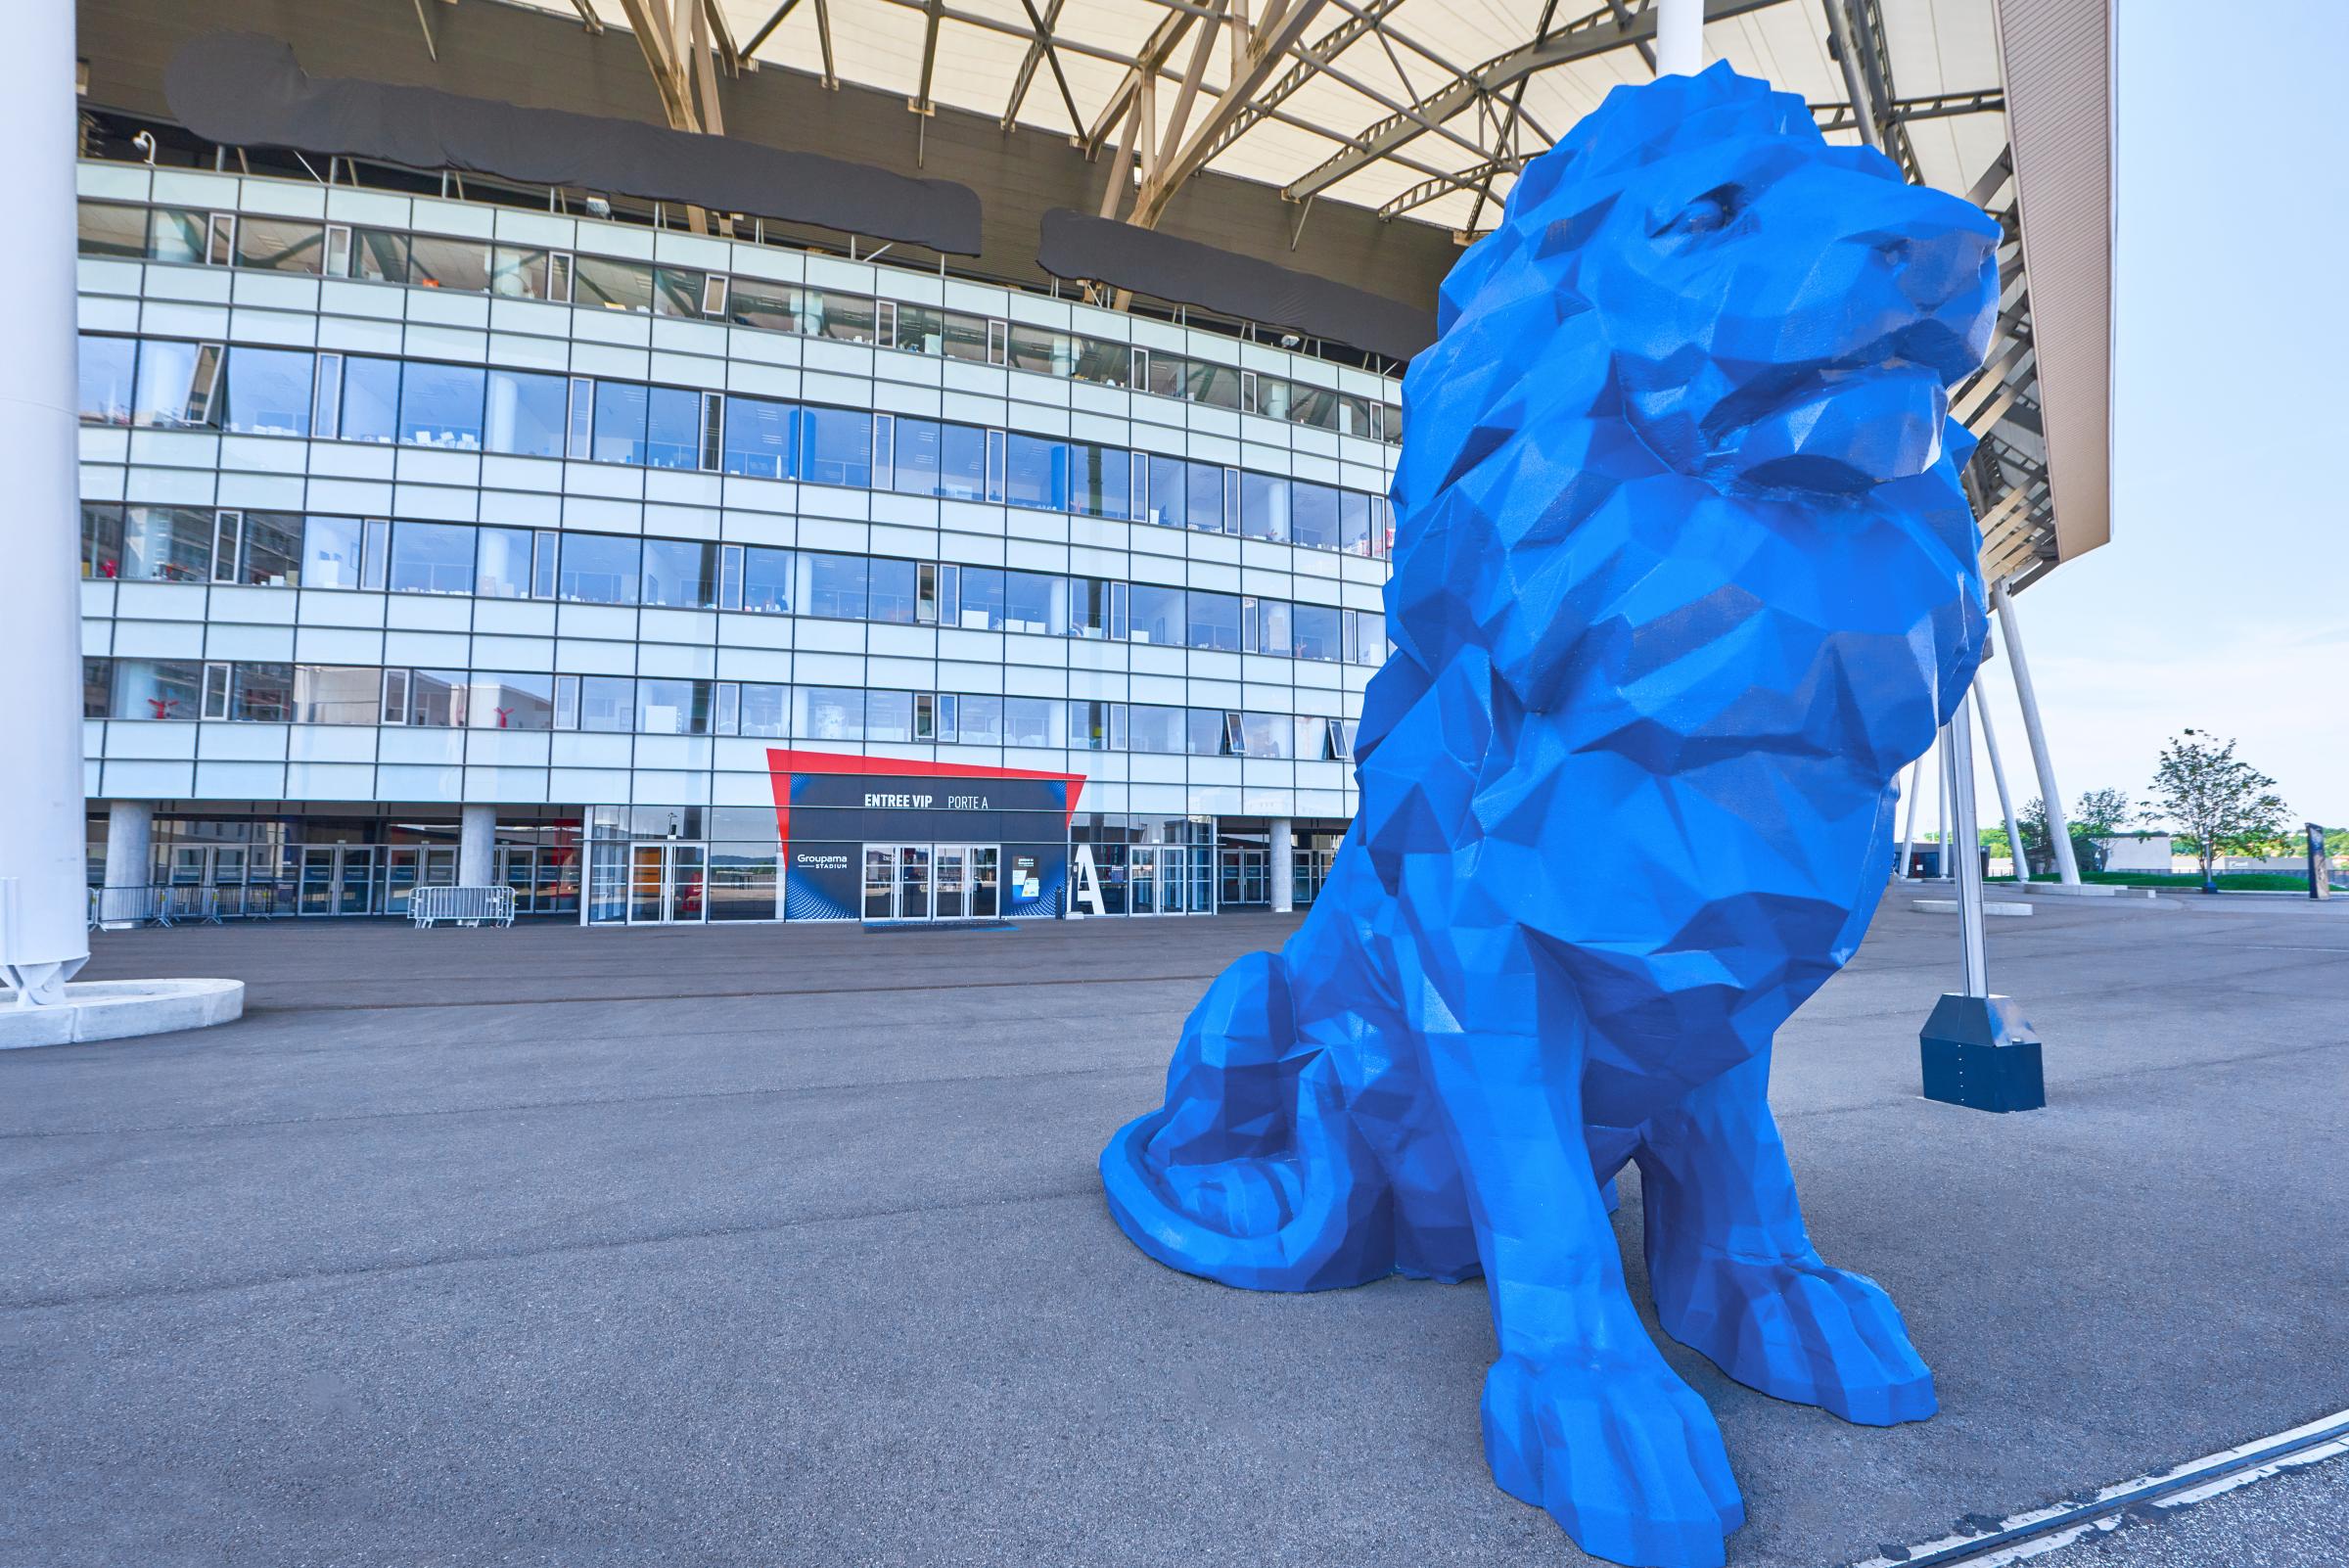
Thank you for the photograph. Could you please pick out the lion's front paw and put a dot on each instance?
(1799, 1332)
(1620, 1451)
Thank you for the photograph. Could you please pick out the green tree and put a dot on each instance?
(2218, 804)
(2100, 814)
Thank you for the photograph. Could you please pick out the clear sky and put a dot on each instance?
(2223, 600)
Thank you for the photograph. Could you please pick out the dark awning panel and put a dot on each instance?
(245, 91)
(1077, 245)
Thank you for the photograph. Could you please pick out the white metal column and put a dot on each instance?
(1997, 777)
(2059, 831)
(1917, 771)
(44, 899)
(1680, 37)
(1284, 869)
(477, 841)
(1972, 962)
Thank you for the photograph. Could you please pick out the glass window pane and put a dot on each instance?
(378, 255)
(607, 702)
(1314, 632)
(168, 544)
(667, 707)
(338, 694)
(680, 574)
(1268, 734)
(370, 400)
(330, 552)
(1206, 498)
(892, 590)
(960, 337)
(1314, 515)
(672, 432)
(1049, 354)
(107, 228)
(1169, 491)
(1150, 728)
(767, 581)
(273, 549)
(774, 306)
(846, 316)
(1218, 385)
(1354, 522)
(268, 391)
(1036, 472)
(441, 405)
(1034, 602)
(517, 272)
(1099, 480)
(178, 234)
(101, 540)
(281, 245)
(527, 413)
(261, 694)
(621, 411)
(156, 688)
(167, 383)
(1156, 615)
(503, 701)
(436, 262)
(837, 447)
(677, 291)
(828, 713)
(106, 384)
(982, 599)
(432, 558)
(760, 436)
(502, 563)
(887, 716)
(1215, 621)
(599, 567)
(915, 470)
(1264, 507)
(1032, 721)
(1107, 364)
(601, 281)
(766, 710)
(835, 585)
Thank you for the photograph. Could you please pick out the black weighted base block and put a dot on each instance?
(1979, 1051)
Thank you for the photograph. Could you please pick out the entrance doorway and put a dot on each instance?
(667, 881)
(933, 881)
(338, 879)
(1246, 877)
(407, 867)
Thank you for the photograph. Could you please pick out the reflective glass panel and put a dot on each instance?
(107, 380)
(330, 552)
(432, 558)
(441, 405)
(600, 281)
(599, 569)
(268, 391)
(680, 574)
(281, 245)
(370, 400)
(167, 543)
(760, 435)
(527, 413)
(837, 447)
(438, 263)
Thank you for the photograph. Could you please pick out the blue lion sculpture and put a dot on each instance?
(1683, 577)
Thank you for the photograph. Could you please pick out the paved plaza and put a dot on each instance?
(784, 1245)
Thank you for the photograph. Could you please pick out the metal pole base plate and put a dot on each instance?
(1978, 1051)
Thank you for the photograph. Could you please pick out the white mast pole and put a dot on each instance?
(1680, 37)
(43, 878)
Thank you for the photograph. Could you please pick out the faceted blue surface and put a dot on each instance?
(1684, 578)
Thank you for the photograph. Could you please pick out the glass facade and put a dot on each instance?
(614, 561)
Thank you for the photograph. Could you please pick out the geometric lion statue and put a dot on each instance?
(1684, 578)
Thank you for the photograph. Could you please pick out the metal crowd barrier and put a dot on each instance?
(152, 905)
(464, 907)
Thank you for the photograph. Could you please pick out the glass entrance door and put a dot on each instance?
(338, 879)
(933, 881)
(667, 881)
(1141, 881)
(407, 867)
(1245, 873)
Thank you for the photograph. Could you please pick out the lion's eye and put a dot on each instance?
(1706, 214)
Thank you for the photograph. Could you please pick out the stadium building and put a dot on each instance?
(922, 547)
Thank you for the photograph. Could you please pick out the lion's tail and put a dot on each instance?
(1252, 1172)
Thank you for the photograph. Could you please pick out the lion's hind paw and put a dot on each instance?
(1620, 1451)
(1806, 1332)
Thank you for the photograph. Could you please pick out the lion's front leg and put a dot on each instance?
(1582, 1415)
(1735, 1274)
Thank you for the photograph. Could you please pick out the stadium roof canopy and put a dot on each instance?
(1424, 110)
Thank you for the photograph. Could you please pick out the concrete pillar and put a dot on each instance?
(476, 843)
(1284, 865)
(1908, 831)
(2059, 831)
(44, 881)
(129, 861)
